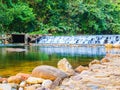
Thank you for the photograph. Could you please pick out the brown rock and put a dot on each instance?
(104, 60)
(14, 79)
(81, 68)
(48, 72)
(23, 76)
(94, 62)
(65, 66)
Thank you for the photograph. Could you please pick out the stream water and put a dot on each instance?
(13, 62)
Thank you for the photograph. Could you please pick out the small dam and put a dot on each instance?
(81, 39)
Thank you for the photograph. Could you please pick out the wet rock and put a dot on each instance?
(47, 83)
(94, 62)
(81, 68)
(14, 79)
(48, 72)
(34, 80)
(23, 76)
(65, 66)
(5, 87)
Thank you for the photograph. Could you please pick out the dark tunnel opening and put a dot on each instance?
(16, 38)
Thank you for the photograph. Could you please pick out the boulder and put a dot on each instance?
(80, 68)
(94, 62)
(65, 66)
(34, 80)
(48, 72)
(14, 79)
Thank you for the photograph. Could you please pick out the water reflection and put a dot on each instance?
(14, 62)
(75, 51)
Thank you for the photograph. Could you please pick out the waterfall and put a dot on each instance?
(82, 39)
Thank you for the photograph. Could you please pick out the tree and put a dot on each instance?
(60, 16)
(16, 17)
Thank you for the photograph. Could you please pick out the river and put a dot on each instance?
(13, 62)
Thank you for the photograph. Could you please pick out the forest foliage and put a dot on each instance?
(60, 16)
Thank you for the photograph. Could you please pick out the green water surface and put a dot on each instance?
(12, 62)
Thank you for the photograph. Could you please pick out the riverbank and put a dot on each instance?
(99, 75)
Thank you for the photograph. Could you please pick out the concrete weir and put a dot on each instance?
(20, 38)
(80, 39)
(24, 38)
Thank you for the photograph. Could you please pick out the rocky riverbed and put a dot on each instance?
(98, 75)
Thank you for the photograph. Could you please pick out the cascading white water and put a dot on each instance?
(82, 39)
